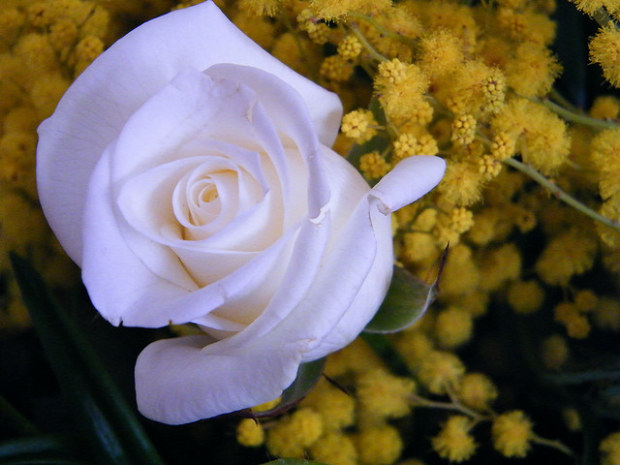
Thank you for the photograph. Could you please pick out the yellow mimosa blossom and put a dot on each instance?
(260, 30)
(532, 71)
(419, 246)
(498, 266)
(591, 6)
(585, 300)
(460, 274)
(453, 327)
(463, 129)
(359, 125)
(605, 50)
(606, 314)
(349, 47)
(384, 395)
(454, 442)
(477, 391)
(373, 165)
(576, 324)
(567, 254)
(610, 449)
(525, 296)
(439, 371)
(512, 432)
(554, 352)
(462, 183)
(335, 68)
(250, 433)
(337, 409)
(334, 448)
(605, 107)
(440, 52)
(378, 445)
(292, 434)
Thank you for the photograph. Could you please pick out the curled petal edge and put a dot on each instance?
(408, 181)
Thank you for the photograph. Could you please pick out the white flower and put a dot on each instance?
(188, 173)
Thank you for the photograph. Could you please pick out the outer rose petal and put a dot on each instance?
(406, 183)
(95, 108)
(178, 381)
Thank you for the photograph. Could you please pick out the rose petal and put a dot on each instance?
(309, 309)
(289, 115)
(125, 290)
(177, 381)
(195, 104)
(370, 294)
(350, 190)
(408, 181)
(114, 276)
(95, 108)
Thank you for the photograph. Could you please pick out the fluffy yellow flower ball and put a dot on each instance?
(610, 449)
(511, 433)
(334, 448)
(378, 445)
(440, 370)
(250, 433)
(476, 390)
(454, 442)
(453, 327)
(384, 395)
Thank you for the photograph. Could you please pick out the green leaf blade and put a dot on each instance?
(40, 444)
(293, 462)
(103, 416)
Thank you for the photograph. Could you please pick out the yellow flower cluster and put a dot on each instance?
(610, 449)
(471, 82)
(468, 81)
(512, 432)
(454, 442)
(43, 46)
(340, 428)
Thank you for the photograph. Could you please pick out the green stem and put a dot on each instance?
(554, 444)
(14, 420)
(366, 44)
(302, 52)
(383, 30)
(602, 17)
(419, 401)
(560, 194)
(577, 117)
(560, 100)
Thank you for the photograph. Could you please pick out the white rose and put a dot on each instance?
(188, 173)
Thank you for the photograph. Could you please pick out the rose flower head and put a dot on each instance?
(188, 173)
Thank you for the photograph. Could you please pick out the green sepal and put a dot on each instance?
(105, 420)
(406, 301)
(308, 375)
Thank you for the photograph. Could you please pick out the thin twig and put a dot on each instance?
(383, 30)
(374, 53)
(575, 117)
(561, 194)
(418, 401)
(554, 444)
